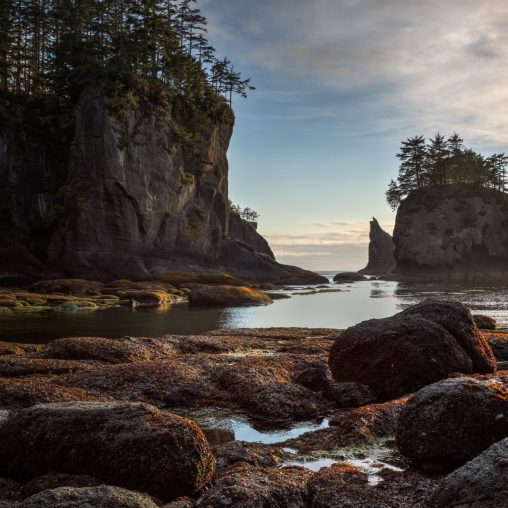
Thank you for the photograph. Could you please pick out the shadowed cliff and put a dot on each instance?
(128, 189)
(453, 232)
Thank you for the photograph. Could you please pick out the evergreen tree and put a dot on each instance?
(412, 156)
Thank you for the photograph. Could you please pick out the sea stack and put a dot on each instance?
(381, 248)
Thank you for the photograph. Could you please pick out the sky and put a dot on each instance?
(339, 84)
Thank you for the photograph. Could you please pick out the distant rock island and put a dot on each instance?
(453, 232)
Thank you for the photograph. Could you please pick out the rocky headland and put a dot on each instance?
(134, 187)
(386, 413)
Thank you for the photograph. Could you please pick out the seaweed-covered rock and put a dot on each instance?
(342, 485)
(210, 296)
(456, 318)
(397, 355)
(481, 483)
(168, 383)
(9, 492)
(17, 393)
(54, 480)
(128, 349)
(130, 445)
(485, 322)
(102, 496)
(499, 345)
(251, 487)
(454, 420)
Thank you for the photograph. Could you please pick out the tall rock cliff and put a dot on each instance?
(453, 232)
(381, 247)
(131, 189)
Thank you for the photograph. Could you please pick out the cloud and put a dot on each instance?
(438, 65)
(343, 248)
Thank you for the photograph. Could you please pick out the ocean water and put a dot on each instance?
(354, 303)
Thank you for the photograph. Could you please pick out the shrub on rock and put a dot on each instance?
(227, 296)
(131, 445)
(454, 420)
(481, 483)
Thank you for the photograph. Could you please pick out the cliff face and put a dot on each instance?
(381, 247)
(133, 192)
(453, 233)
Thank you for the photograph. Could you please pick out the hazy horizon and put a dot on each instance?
(339, 85)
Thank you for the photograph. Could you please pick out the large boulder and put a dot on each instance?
(481, 483)
(102, 496)
(247, 486)
(397, 355)
(226, 296)
(454, 420)
(499, 345)
(457, 320)
(131, 445)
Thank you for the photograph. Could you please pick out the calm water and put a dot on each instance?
(357, 302)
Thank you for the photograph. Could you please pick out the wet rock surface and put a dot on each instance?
(499, 344)
(454, 420)
(481, 483)
(271, 387)
(131, 445)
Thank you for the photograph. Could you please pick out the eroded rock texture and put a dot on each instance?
(453, 233)
(381, 248)
(124, 192)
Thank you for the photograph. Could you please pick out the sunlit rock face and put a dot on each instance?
(381, 247)
(453, 232)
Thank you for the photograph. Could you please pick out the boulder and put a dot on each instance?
(485, 322)
(226, 296)
(343, 485)
(131, 445)
(54, 480)
(128, 349)
(481, 483)
(164, 383)
(247, 486)
(457, 320)
(454, 420)
(397, 355)
(102, 496)
(498, 342)
(343, 277)
(9, 492)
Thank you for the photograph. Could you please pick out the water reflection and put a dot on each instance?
(221, 426)
(363, 300)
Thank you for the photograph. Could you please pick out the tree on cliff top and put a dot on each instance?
(444, 161)
(48, 47)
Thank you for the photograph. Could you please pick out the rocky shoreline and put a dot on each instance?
(110, 422)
